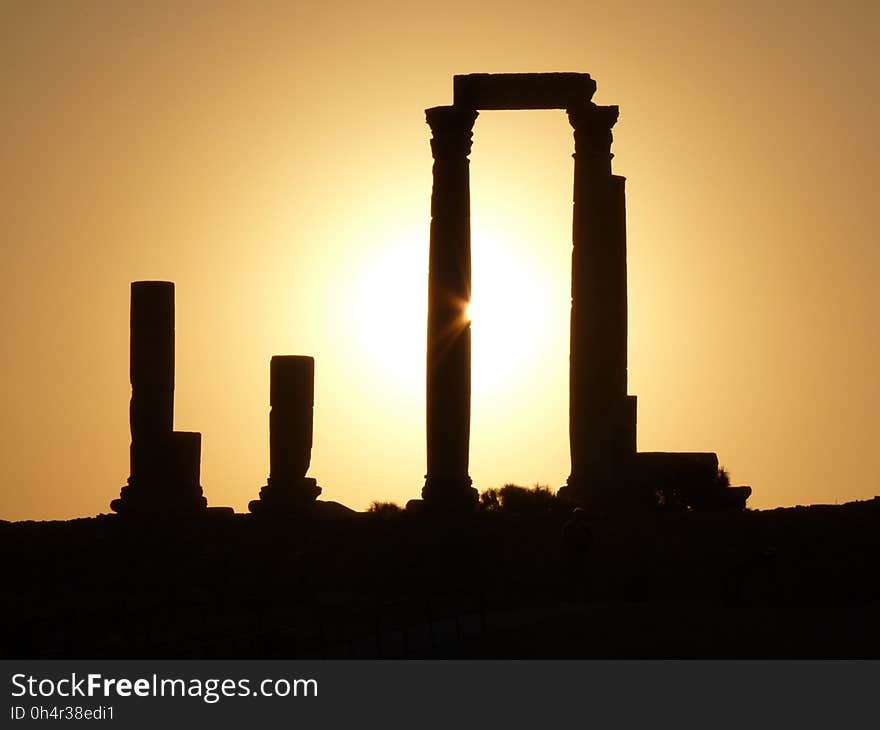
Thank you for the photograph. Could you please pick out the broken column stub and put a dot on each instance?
(164, 470)
(291, 401)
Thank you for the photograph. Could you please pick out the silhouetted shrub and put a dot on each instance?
(490, 500)
(513, 498)
(384, 509)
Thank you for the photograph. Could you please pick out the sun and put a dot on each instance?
(507, 314)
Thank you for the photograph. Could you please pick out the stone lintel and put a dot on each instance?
(522, 91)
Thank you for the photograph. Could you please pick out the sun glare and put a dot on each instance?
(507, 314)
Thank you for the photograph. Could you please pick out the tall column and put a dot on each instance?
(448, 403)
(598, 401)
(151, 370)
(164, 463)
(291, 411)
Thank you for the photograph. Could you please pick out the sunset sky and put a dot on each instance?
(272, 160)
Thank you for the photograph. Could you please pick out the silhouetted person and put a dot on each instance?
(576, 542)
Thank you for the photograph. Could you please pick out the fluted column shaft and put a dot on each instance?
(598, 308)
(448, 378)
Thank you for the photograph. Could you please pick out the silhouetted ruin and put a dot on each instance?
(606, 471)
(165, 464)
(505, 579)
(291, 402)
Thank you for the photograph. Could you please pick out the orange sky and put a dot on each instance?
(272, 159)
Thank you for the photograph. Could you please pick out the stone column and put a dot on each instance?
(164, 463)
(598, 401)
(151, 369)
(447, 484)
(291, 403)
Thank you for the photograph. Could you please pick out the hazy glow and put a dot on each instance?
(507, 313)
(389, 310)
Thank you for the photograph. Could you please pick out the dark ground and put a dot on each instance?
(798, 582)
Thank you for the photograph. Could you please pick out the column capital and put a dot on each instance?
(452, 128)
(592, 117)
(592, 128)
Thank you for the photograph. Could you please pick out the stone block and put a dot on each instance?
(522, 90)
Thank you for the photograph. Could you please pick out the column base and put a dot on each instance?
(137, 498)
(618, 493)
(577, 491)
(449, 494)
(286, 497)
